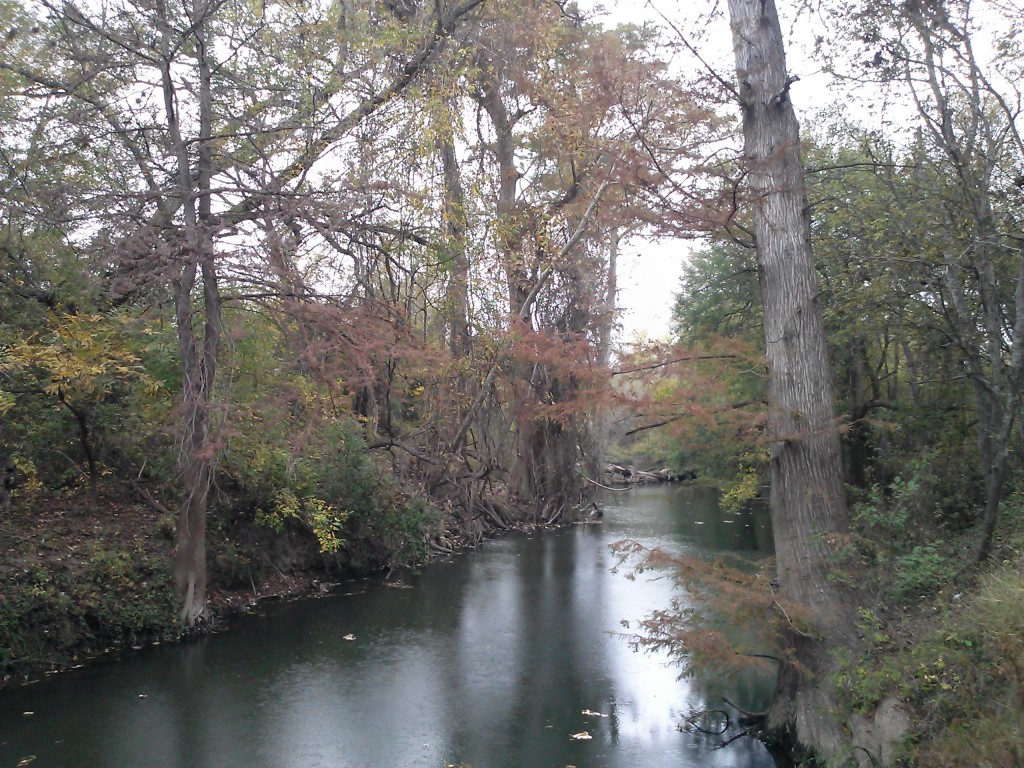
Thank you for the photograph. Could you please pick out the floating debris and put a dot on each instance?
(581, 736)
(26, 760)
(592, 713)
(349, 637)
(28, 714)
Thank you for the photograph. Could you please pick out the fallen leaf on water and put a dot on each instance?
(581, 736)
(591, 713)
(349, 636)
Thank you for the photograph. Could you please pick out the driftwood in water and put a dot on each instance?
(616, 473)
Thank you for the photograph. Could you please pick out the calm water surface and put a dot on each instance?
(488, 660)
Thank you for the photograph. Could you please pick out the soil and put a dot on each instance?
(75, 583)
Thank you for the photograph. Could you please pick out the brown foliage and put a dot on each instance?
(699, 629)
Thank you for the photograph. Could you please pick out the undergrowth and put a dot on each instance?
(945, 640)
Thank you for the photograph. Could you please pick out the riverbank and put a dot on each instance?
(76, 585)
(943, 661)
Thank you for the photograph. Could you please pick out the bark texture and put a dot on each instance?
(199, 353)
(808, 504)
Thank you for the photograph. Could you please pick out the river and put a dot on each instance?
(489, 660)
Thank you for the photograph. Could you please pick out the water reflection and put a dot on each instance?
(489, 660)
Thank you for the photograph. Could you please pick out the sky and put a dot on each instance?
(649, 274)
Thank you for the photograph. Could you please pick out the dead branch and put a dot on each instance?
(663, 363)
(389, 444)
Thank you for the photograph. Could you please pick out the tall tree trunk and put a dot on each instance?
(527, 462)
(199, 356)
(808, 506)
(458, 260)
(596, 441)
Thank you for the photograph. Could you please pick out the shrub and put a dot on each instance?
(922, 571)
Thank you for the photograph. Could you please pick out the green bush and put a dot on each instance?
(922, 571)
(233, 568)
(331, 488)
(960, 670)
(111, 598)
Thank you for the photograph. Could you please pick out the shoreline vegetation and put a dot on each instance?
(76, 585)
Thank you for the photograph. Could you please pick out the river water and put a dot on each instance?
(488, 660)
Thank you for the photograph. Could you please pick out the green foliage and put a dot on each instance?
(78, 359)
(108, 598)
(880, 517)
(922, 570)
(293, 467)
(81, 366)
(897, 527)
(326, 522)
(747, 483)
(232, 567)
(960, 673)
(718, 295)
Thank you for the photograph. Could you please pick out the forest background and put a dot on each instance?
(317, 286)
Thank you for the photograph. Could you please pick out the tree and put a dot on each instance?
(966, 95)
(973, 125)
(79, 360)
(195, 142)
(808, 505)
(582, 141)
